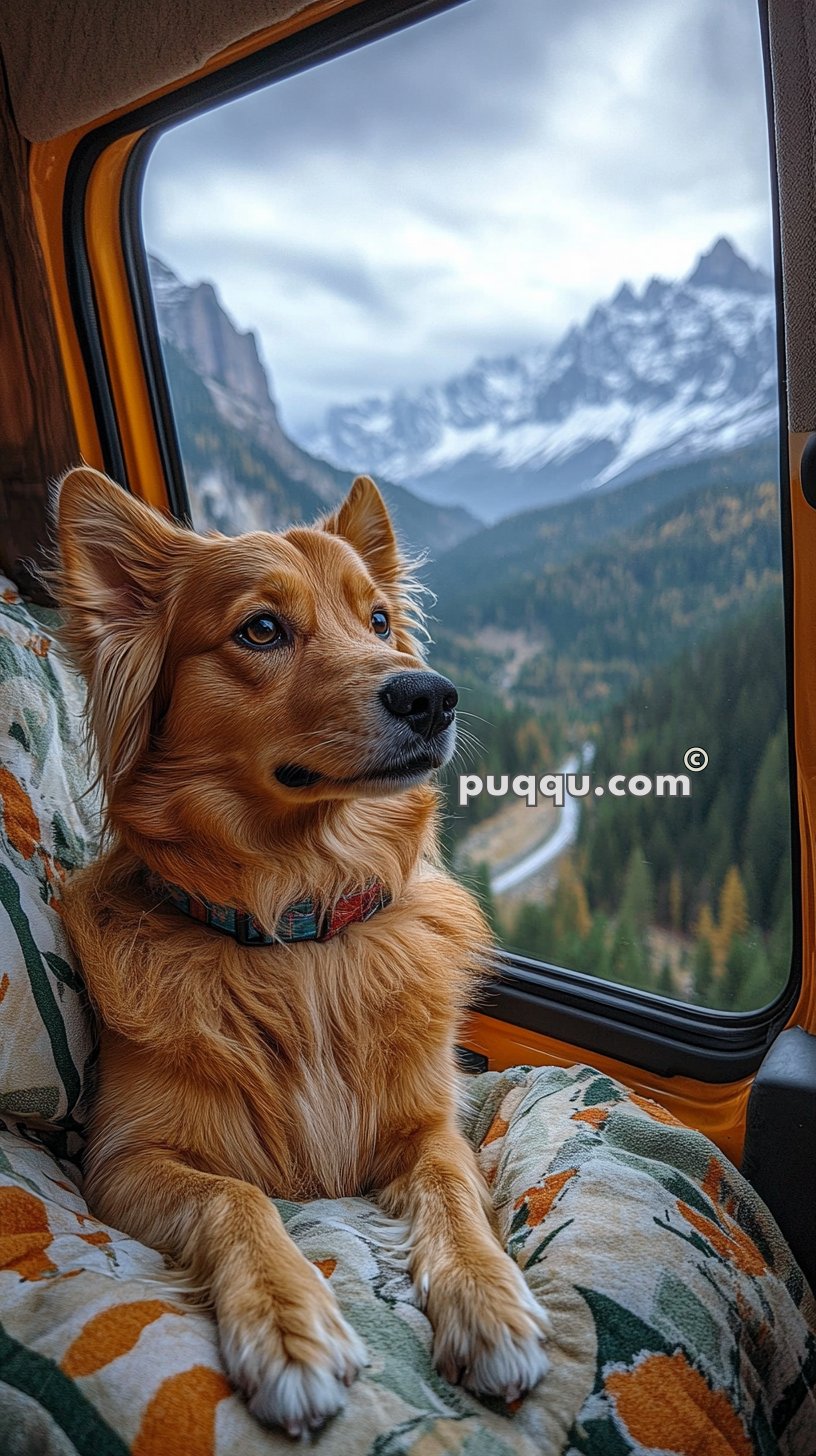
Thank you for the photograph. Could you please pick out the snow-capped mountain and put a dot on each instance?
(680, 371)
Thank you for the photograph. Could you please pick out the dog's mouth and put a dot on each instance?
(404, 770)
(295, 776)
(399, 772)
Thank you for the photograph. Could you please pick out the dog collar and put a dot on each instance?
(303, 920)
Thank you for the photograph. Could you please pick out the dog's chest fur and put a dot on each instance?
(359, 1025)
(291, 1067)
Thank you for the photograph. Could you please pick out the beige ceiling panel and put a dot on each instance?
(72, 62)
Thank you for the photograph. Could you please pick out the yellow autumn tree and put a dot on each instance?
(705, 929)
(571, 906)
(733, 917)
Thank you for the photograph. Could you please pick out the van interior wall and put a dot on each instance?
(71, 64)
(37, 436)
(792, 35)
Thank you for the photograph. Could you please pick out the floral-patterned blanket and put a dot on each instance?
(681, 1323)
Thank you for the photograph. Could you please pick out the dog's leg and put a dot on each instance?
(488, 1328)
(284, 1341)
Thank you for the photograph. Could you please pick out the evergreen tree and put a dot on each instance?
(629, 957)
(747, 983)
(594, 952)
(692, 845)
(761, 983)
(637, 903)
(665, 981)
(735, 974)
(780, 945)
(767, 832)
(532, 932)
(702, 973)
(676, 900)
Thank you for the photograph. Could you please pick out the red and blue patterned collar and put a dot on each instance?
(302, 921)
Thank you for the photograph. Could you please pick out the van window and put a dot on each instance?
(515, 262)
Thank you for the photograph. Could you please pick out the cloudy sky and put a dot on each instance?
(467, 187)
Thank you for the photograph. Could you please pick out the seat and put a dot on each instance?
(681, 1322)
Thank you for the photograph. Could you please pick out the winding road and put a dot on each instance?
(549, 850)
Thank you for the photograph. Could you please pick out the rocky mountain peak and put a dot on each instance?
(625, 297)
(655, 292)
(194, 321)
(723, 267)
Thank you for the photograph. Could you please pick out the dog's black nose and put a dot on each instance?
(426, 700)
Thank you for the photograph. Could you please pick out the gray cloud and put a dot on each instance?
(409, 91)
(469, 185)
(343, 278)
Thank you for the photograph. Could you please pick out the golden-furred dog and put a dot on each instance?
(266, 729)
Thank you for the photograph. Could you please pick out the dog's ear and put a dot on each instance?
(113, 584)
(364, 522)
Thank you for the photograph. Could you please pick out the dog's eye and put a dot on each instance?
(381, 624)
(262, 631)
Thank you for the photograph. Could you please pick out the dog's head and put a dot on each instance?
(249, 675)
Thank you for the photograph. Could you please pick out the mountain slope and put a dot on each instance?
(533, 539)
(684, 370)
(689, 897)
(234, 483)
(243, 472)
(739, 811)
(591, 623)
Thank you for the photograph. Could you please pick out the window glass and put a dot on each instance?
(515, 262)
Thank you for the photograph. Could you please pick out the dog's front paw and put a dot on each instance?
(292, 1356)
(489, 1331)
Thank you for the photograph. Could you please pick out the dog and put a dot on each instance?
(278, 962)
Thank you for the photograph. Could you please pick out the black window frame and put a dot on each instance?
(654, 1033)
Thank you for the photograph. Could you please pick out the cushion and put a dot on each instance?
(48, 819)
(681, 1322)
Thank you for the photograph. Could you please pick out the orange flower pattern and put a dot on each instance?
(538, 1201)
(729, 1242)
(21, 824)
(695, 1421)
(111, 1333)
